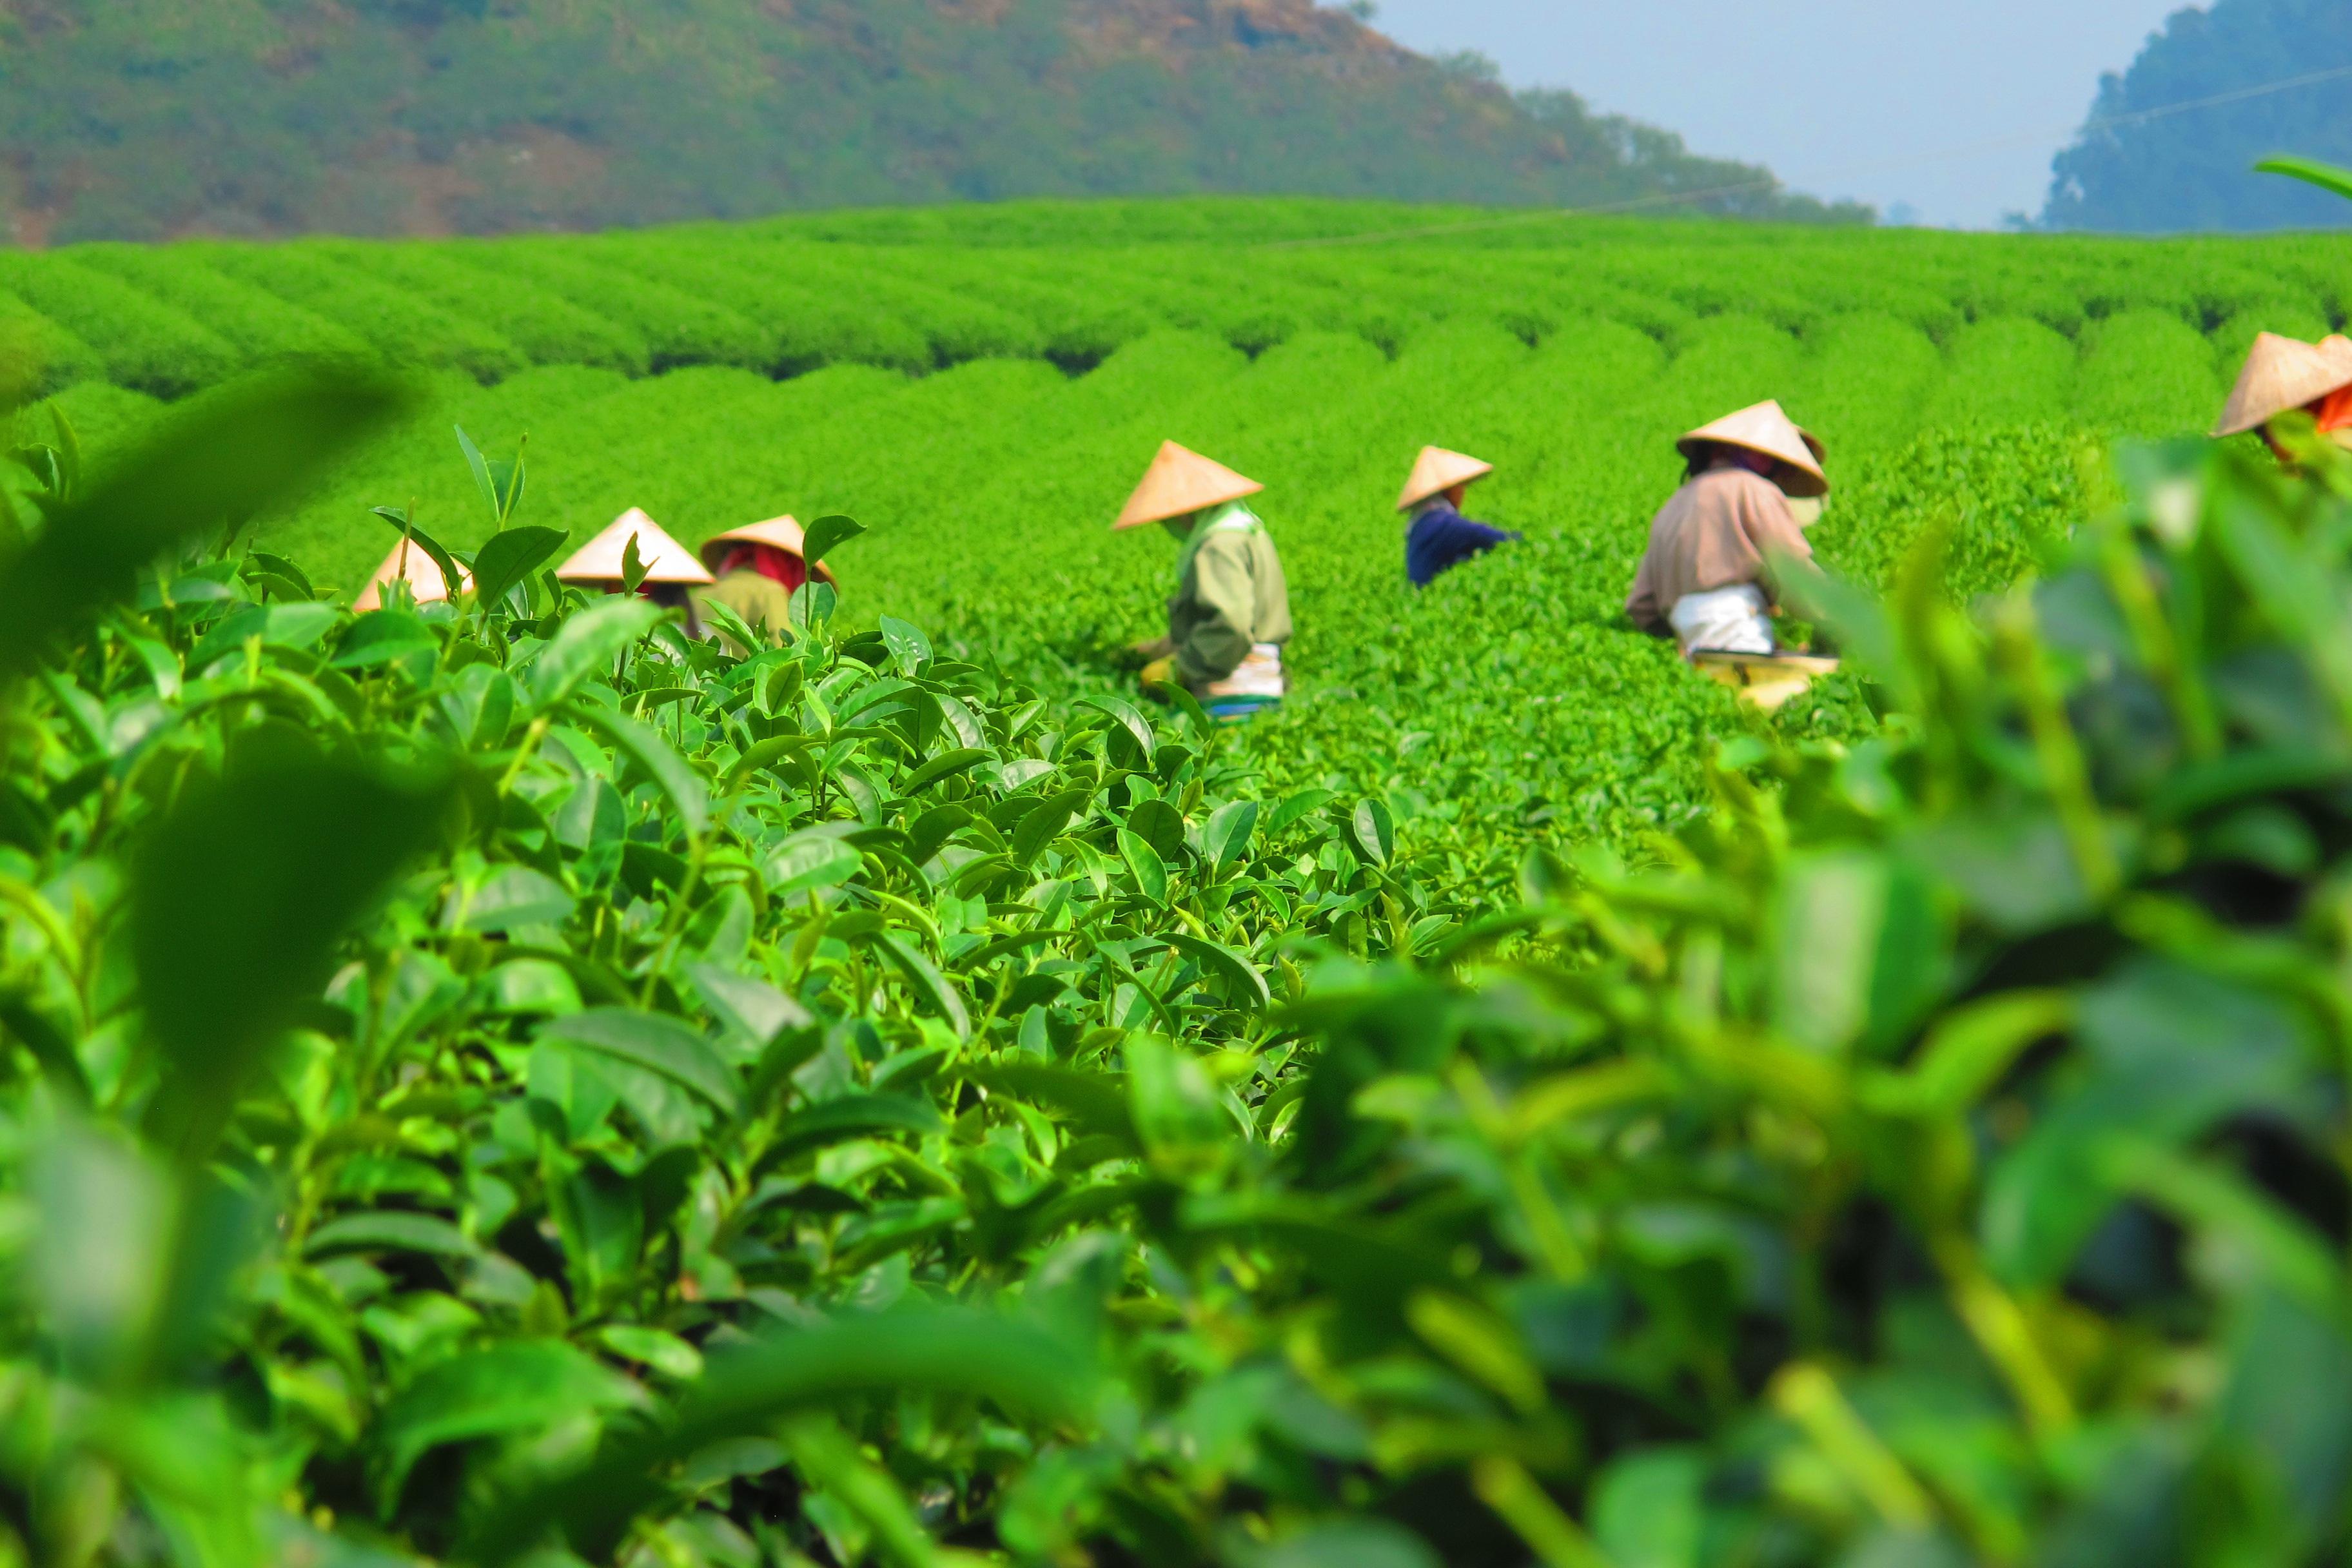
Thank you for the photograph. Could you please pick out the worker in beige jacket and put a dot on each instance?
(1230, 615)
(1712, 575)
(2284, 376)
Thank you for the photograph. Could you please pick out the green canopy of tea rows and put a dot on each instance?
(981, 386)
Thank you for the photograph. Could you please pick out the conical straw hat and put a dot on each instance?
(783, 534)
(408, 562)
(2282, 375)
(1767, 429)
(665, 560)
(1180, 481)
(1438, 470)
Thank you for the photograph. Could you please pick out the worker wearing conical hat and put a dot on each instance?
(1230, 615)
(1711, 575)
(759, 568)
(670, 568)
(2284, 376)
(408, 563)
(1439, 537)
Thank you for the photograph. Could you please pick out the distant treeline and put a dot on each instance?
(146, 119)
(2187, 167)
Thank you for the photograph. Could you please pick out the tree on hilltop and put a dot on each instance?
(2190, 170)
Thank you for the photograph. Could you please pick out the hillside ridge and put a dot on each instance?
(163, 119)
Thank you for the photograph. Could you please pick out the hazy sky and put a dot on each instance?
(1890, 100)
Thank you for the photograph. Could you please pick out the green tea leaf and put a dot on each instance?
(390, 1231)
(1096, 1101)
(1650, 1507)
(931, 831)
(853, 1116)
(928, 981)
(650, 1040)
(100, 1246)
(733, 628)
(2310, 172)
(1375, 831)
(1046, 821)
(826, 532)
(274, 626)
(588, 644)
(909, 648)
(453, 577)
(516, 1387)
(512, 896)
(1225, 839)
(812, 604)
(510, 557)
(1239, 976)
(665, 1352)
(1296, 807)
(386, 637)
(481, 471)
(1158, 825)
(947, 764)
(1479, 1341)
(1150, 871)
(1129, 716)
(808, 861)
(958, 721)
(754, 1011)
(687, 792)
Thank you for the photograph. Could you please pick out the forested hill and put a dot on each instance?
(2181, 169)
(142, 119)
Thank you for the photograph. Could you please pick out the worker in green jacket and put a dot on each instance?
(759, 568)
(1231, 613)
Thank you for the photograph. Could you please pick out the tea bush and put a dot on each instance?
(42, 354)
(1078, 281)
(2146, 370)
(2007, 370)
(548, 327)
(808, 329)
(678, 326)
(264, 328)
(402, 328)
(959, 326)
(148, 346)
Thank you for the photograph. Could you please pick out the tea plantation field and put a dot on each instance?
(979, 386)
(501, 1083)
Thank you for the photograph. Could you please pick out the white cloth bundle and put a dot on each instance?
(1726, 620)
(1259, 675)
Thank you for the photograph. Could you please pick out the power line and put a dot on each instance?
(1968, 150)
(2241, 95)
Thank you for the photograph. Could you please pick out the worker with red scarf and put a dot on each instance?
(2287, 376)
(759, 567)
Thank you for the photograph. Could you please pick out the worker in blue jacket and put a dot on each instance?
(1440, 538)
